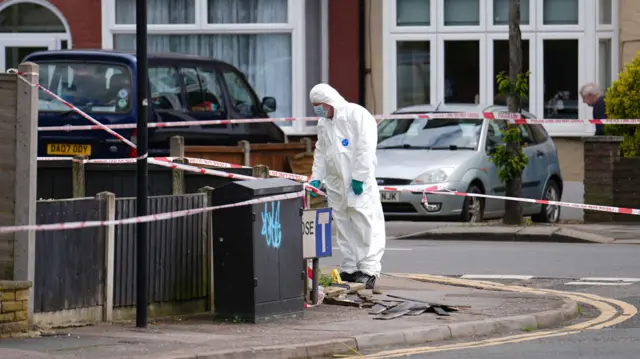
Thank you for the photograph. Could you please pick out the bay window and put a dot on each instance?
(258, 37)
(455, 55)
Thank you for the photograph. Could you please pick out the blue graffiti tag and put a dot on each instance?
(271, 230)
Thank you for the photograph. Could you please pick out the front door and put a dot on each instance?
(13, 51)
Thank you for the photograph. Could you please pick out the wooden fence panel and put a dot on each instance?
(69, 264)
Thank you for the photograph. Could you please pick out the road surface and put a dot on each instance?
(611, 271)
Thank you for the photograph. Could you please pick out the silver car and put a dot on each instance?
(454, 153)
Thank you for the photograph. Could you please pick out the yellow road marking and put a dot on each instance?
(608, 316)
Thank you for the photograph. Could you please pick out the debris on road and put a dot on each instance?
(383, 306)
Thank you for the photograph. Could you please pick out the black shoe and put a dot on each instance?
(369, 281)
(348, 277)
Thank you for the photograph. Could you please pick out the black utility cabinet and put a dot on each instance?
(257, 251)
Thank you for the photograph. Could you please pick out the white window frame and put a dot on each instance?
(295, 26)
(481, 38)
(390, 92)
(614, 56)
(615, 8)
(561, 28)
(502, 28)
(587, 32)
(584, 111)
(58, 37)
(533, 89)
(392, 12)
(442, 28)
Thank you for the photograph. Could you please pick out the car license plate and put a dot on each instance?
(389, 196)
(68, 149)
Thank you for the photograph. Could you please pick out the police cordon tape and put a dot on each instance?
(148, 218)
(97, 123)
(166, 161)
(441, 191)
(512, 117)
(515, 118)
(192, 160)
(435, 190)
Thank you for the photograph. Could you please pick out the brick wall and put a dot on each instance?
(14, 305)
(8, 115)
(626, 193)
(609, 179)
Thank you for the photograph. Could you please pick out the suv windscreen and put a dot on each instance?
(240, 95)
(441, 133)
(92, 87)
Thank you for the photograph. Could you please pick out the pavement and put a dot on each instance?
(606, 233)
(324, 330)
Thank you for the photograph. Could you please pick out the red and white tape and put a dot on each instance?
(207, 171)
(97, 123)
(513, 117)
(148, 218)
(622, 210)
(192, 160)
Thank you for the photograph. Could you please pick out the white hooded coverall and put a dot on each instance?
(345, 151)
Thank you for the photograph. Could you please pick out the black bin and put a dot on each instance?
(257, 251)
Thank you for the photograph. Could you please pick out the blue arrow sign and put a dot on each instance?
(323, 232)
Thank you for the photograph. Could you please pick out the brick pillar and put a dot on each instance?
(600, 155)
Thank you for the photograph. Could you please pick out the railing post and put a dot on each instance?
(308, 145)
(77, 169)
(260, 171)
(210, 304)
(176, 147)
(177, 183)
(246, 151)
(109, 254)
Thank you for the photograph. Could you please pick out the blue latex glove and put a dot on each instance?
(315, 184)
(357, 187)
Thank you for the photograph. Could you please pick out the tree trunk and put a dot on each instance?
(513, 210)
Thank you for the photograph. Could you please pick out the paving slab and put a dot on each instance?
(322, 330)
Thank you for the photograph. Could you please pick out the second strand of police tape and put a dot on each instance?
(436, 190)
(166, 161)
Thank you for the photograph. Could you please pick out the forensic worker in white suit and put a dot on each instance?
(345, 160)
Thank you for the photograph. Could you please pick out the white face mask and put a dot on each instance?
(320, 111)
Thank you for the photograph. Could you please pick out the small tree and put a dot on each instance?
(510, 159)
(623, 102)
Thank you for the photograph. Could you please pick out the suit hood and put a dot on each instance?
(323, 93)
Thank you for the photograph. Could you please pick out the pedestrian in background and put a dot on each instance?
(345, 159)
(594, 97)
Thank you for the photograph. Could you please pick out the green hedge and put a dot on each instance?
(623, 102)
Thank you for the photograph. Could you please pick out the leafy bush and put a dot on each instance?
(623, 102)
(511, 160)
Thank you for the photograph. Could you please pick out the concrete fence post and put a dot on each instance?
(109, 254)
(77, 178)
(177, 182)
(20, 131)
(260, 171)
(210, 303)
(308, 144)
(176, 147)
(246, 151)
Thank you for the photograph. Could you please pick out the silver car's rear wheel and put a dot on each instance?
(549, 213)
(473, 207)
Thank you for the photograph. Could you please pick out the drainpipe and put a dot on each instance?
(362, 71)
